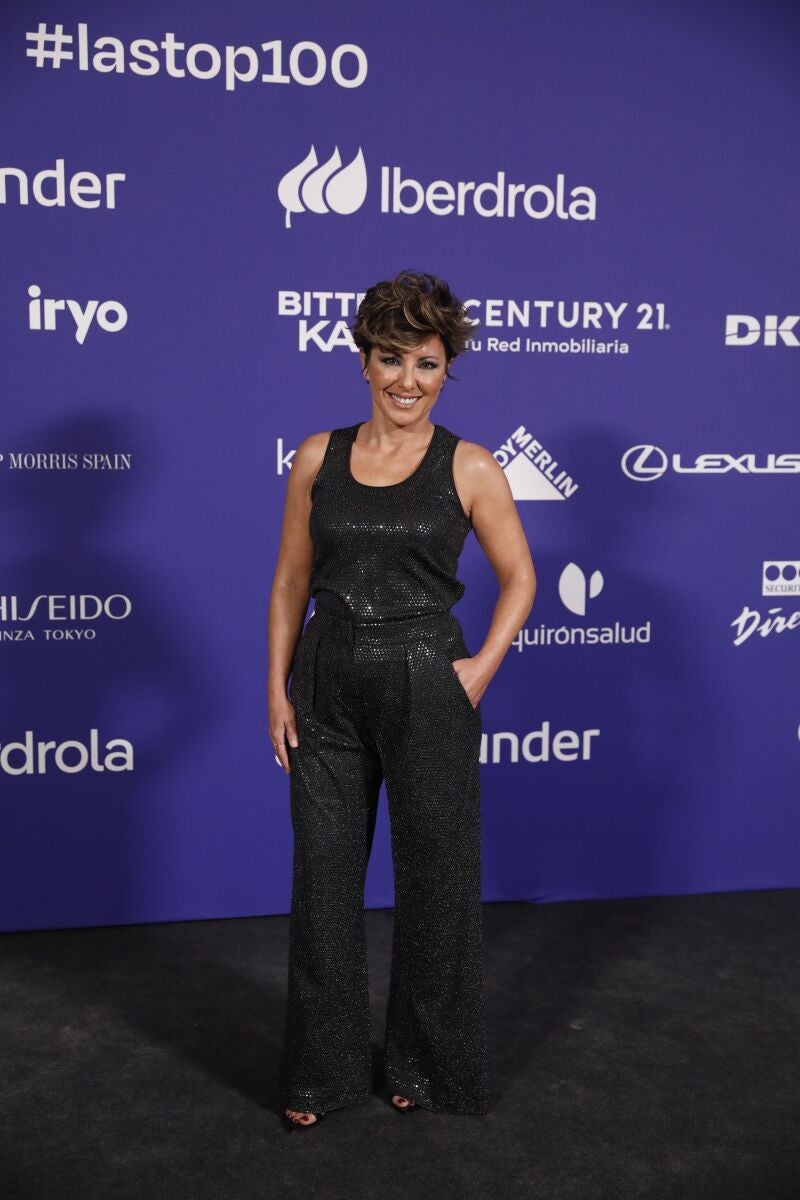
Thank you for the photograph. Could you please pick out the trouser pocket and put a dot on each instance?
(454, 647)
(303, 680)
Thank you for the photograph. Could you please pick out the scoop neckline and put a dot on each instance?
(385, 487)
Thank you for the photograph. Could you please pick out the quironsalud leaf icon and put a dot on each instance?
(572, 589)
(347, 190)
(311, 191)
(289, 186)
(595, 584)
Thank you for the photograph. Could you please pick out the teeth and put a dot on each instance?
(405, 401)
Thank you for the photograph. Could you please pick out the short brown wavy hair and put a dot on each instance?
(404, 312)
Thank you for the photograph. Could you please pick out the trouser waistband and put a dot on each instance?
(343, 629)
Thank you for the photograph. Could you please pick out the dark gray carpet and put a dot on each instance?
(639, 1048)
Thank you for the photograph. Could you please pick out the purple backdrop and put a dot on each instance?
(187, 227)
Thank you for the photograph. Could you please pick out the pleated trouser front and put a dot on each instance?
(372, 703)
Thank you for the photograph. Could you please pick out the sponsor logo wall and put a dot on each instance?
(261, 170)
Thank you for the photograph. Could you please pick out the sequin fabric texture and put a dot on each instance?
(381, 553)
(376, 699)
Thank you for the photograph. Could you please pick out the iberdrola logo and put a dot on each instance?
(326, 187)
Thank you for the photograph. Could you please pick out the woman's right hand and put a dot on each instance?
(282, 729)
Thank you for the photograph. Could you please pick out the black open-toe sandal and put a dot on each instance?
(290, 1124)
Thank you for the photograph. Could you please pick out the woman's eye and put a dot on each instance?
(391, 358)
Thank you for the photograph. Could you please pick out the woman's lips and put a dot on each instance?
(403, 401)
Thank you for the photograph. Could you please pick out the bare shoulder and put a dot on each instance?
(474, 456)
(479, 479)
(477, 466)
(308, 456)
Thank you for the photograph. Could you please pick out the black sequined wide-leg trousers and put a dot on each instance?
(372, 703)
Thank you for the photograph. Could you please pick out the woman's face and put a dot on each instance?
(414, 376)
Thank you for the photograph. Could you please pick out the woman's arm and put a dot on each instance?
(487, 496)
(291, 590)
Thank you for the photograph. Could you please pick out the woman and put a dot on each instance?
(383, 688)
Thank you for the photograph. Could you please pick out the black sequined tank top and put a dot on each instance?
(387, 553)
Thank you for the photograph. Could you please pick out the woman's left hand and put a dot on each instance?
(473, 677)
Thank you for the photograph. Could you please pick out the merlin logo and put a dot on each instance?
(573, 590)
(531, 471)
(780, 579)
(645, 463)
(331, 187)
(743, 330)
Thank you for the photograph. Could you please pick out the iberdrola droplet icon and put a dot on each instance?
(289, 186)
(312, 186)
(326, 187)
(347, 190)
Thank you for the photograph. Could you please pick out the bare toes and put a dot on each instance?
(300, 1118)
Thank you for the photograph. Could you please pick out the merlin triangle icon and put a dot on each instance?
(528, 482)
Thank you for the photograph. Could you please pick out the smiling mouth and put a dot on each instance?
(404, 401)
